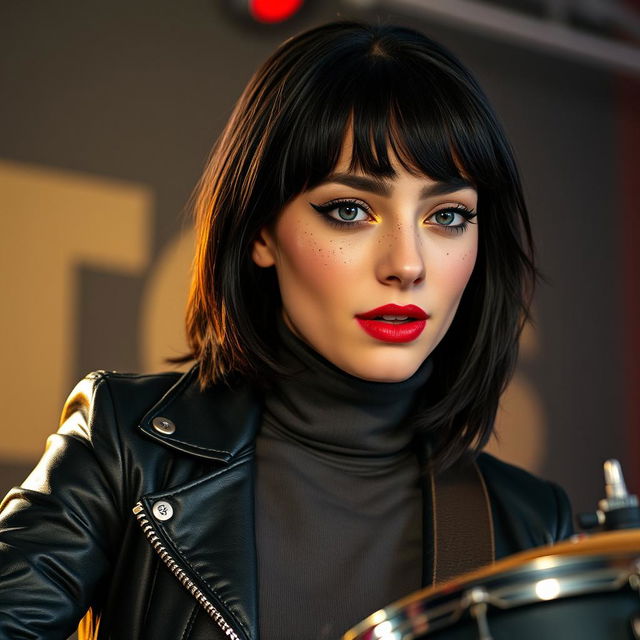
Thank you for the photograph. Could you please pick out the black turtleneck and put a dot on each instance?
(338, 499)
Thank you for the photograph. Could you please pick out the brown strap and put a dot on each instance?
(463, 536)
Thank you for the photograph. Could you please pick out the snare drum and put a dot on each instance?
(583, 589)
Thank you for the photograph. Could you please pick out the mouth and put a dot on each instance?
(395, 313)
(394, 319)
(394, 323)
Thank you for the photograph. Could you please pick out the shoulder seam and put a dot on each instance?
(103, 378)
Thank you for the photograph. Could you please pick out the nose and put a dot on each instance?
(401, 260)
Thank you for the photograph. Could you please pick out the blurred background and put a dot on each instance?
(107, 115)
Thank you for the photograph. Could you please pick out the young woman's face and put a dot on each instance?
(354, 244)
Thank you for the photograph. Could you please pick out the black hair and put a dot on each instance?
(396, 90)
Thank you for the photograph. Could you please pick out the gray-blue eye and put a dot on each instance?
(445, 217)
(453, 218)
(348, 212)
(343, 212)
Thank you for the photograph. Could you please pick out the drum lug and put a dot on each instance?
(476, 600)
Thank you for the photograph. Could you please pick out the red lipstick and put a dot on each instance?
(407, 323)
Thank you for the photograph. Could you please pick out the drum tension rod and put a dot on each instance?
(476, 599)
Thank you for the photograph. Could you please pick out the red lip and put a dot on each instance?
(395, 310)
(392, 332)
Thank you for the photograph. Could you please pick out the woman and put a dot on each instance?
(363, 270)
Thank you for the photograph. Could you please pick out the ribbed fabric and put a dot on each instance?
(338, 499)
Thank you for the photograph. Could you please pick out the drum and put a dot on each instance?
(583, 589)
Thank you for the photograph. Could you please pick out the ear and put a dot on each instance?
(263, 252)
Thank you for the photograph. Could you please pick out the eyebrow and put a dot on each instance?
(382, 188)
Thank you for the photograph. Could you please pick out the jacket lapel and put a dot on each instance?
(210, 537)
(216, 423)
(208, 525)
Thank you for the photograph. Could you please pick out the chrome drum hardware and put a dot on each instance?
(586, 588)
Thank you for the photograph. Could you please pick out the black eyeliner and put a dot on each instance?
(323, 210)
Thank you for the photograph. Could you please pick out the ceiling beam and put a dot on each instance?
(511, 26)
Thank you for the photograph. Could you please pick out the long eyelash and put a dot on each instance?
(460, 209)
(324, 209)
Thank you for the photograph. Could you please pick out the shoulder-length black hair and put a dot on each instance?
(394, 89)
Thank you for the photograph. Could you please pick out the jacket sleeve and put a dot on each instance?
(59, 529)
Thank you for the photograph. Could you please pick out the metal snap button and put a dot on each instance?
(163, 425)
(162, 510)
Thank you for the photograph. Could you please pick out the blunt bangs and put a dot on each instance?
(397, 96)
(383, 99)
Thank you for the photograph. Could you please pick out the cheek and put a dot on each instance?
(453, 273)
(461, 268)
(312, 263)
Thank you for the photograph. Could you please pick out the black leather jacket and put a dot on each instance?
(153, 530)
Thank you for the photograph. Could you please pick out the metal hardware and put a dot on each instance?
(619, 510)
(476, 599)
(162, 510)
(615, 489)
(634, 583)
(572, 575)
(163, 425)
(479, 613)
(614, 480)
(181, 575)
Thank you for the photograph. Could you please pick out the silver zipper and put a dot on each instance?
(178, 572)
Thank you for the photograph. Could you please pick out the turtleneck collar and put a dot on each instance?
(325, 409)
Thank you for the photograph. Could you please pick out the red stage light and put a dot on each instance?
(273, 10)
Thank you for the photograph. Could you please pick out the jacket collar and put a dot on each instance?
(216, 423)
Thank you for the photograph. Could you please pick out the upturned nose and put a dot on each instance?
(401, 260)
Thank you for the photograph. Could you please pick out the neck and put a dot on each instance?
(324, 408)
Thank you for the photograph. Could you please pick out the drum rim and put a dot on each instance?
(519, 580)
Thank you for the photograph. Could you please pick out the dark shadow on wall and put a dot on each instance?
(12, 474)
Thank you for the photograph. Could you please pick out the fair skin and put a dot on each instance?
(405, 240)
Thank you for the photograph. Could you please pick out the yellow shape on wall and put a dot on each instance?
(520, 431)
(52, 221)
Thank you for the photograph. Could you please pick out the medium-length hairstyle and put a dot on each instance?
(399, 94)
